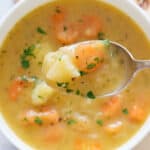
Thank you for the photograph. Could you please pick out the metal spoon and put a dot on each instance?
(132, 65)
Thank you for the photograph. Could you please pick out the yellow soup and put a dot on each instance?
(47, 118)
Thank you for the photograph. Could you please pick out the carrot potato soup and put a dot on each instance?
(48, 91)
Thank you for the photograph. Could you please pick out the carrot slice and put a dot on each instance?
(16, 88)
(91, 26)
(67, 33)
(46, 117)
(137, 113)
(89, 57)
(53, 134)
(59, 16)
(112, 107)
(85, 145)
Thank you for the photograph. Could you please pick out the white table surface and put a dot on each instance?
(5, 5)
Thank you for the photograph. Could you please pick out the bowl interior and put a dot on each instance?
(25, 7)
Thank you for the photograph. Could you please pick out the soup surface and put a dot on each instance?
(48, 119)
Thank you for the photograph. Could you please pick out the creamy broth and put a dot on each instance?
(84, 123)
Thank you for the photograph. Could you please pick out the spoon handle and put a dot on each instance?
(142, 64)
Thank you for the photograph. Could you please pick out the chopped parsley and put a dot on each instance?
(101, 36)
(40, 97)
(62, 84)
(71, 122)
(125, 111)
(38, 121)
(99, 122)
(25, 64)
(65, 28)
(106, 43)
(91, 66)
(91, 95)
(69, 90)
(40, 63)
(82, 73)
(28, 52)
(41, 30)
(78, 92)
(97, 59)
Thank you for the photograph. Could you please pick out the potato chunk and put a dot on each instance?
(59, 67)
(41, 93)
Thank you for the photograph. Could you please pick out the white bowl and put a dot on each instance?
(27, 6)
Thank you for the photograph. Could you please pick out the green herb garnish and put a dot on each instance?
(41, 31)
(69, 90)
(62, 84)
(38, 121)
(28, 52)
(78, 92)
(39, 63)
(97, 59)
(65, 28)
(25, 64)
(40, 97)
(91, 66)
(125, 111)
(106, 43)
(91, 95)
(71, 122)
(82, 73)
(99, 122)
(101, 35)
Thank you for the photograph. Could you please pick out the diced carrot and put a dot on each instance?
(89, 57)
(113, 128)
(59, 16)
(81, 144)
(16, 88)
(112, 107)
(137, 113)
(91, 26)
(67, 33)
(53, 134)
(33, 117)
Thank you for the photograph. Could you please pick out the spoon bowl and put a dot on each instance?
(132, 66)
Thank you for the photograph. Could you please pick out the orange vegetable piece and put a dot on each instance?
(89, 57)
(53, 134)
(59, 17)
(46, 117)
(91, 26)
(137, 113)
(16, 88)
(112, 107)
(85, 145)
(67, 33)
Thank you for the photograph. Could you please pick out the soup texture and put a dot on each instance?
(48, 94)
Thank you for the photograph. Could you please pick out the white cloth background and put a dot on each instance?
(5, 5)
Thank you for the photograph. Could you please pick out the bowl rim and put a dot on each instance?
(6, 26)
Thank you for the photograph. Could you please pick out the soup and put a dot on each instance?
(46, 118)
